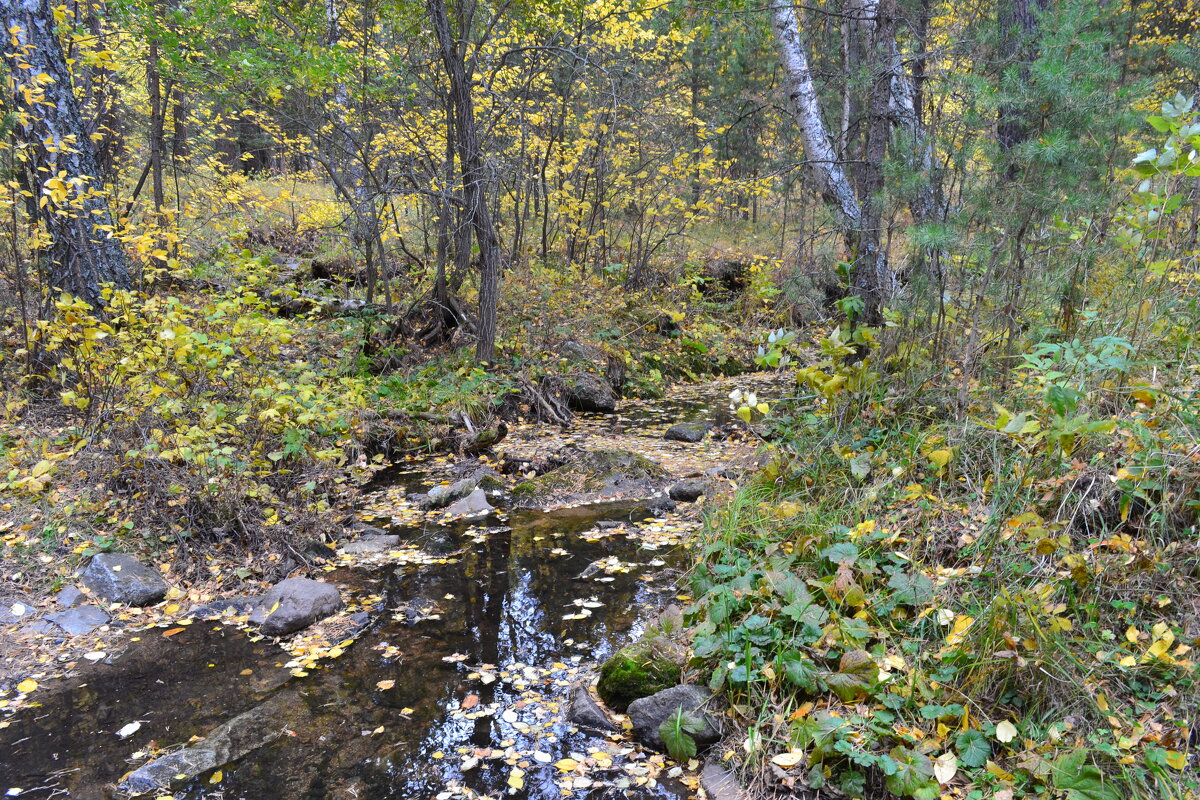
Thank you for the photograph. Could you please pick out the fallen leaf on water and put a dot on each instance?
(385, 685)
(26, 686)
(470, 701)
(173, 631)
(216, 777)
(516, 778)
(129, 730)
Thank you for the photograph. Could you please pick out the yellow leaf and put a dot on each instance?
(26, 686)
(1102, 702)
(516, 778)
(789, 759)
(1128, 661)
(941, 458)
(1176, 760)
(962, 624)
(1131, 634)
(216, 777)
(567, 764)
(385, 685)
(1006, 732)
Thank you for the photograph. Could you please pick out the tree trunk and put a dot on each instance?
(81, 252)
(859, 218)
(470, 156)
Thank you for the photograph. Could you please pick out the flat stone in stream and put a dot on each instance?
(719, 783)
(690, 432)
(121, 578)
(297, 603)
(79, 621)
(371, 544)
(255, 728)
(237, 605)
(649, 713)
(472, 506)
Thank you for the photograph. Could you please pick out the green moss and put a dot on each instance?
(637, 671)
(523, 489)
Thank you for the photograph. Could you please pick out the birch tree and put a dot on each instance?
(75, 240)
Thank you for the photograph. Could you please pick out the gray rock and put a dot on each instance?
(79, 621)
(660, 506)
(688, 491)
(238, 605)
(690, 432)
(363, 529)
(70, 596)
(301, 602)
(121, 578)
(719, 783)
(442, 495)
(585, 712)
(230, 741)
(473, 505)
(591, 394)
(371, 544)
(15, 609)
(648, 713)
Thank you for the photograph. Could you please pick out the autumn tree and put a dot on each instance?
(75, 239)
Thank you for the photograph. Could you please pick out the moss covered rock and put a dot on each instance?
(594, 475)
(639, 670)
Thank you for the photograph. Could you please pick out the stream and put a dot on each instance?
(452, 681)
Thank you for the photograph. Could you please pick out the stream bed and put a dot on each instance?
(452, 682)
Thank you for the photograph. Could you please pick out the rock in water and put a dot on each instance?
(690, 432)
(473, 505)
(688, 491)
(121, 578)
(719, 783)
(639, 670)
(649, 713)
(296, 603)
(372, 544)
(586, 712)
(246, 732)
(592, 394)
(79, 621)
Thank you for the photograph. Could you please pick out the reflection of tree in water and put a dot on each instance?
(509, 596)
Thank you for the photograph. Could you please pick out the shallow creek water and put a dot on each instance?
(456, 687)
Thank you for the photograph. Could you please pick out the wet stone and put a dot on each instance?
(121, 578)
(301, 602)
(237, 605)
(473, 505)
(688, 491)
(589, 393)
(79, 621)
(371, 544)
(719, 783)
(690, 432)
(586, 712)
(660, 506)
(649, 713)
